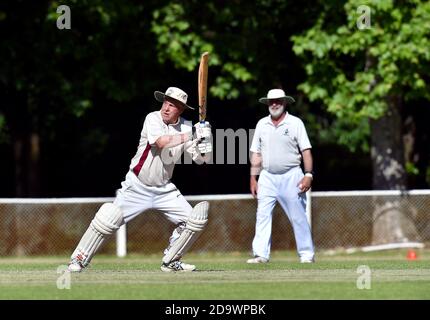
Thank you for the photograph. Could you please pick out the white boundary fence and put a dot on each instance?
(121, 234)
(314, 199)
(377, 193)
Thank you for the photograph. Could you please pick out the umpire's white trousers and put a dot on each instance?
(282, 188)
(135, 197)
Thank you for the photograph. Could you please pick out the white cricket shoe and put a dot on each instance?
(257, 260)
(307, 260)
(177, 266)
(75, 266)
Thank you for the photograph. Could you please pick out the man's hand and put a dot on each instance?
(204, 146)
(204, 137)
(203, 130)
(253, 185)
(305, 184)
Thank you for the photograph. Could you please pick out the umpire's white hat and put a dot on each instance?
(276, 94)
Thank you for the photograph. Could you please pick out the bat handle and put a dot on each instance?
(202, 122)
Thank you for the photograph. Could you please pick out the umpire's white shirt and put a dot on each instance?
(151, 165)
(280, 146)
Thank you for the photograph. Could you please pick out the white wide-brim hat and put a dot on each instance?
(175, 94)
(276, 94)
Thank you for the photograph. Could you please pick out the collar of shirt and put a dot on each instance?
(284, 121)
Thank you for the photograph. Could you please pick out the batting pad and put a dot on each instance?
(195, 224)
(106, 221)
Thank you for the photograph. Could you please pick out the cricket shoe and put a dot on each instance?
(177, 266)
(75, 266)
(257, 260)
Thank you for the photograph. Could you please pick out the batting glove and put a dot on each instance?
(203, 130)
(205, 146)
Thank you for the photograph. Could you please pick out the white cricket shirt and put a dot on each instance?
(280, 146)
(151, 165)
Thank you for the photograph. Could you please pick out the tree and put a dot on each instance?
(48, 75)
(365, 77)
(248, 41)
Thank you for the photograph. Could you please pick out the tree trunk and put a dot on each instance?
(33, 164)
(18, 150)
(26, 146)
(387, 150)
(391, 222)
(27, 167)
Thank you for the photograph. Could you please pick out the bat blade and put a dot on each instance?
(203, 85)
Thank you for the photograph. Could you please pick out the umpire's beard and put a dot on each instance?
(276, 112)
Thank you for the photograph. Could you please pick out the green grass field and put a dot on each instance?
(221, 276)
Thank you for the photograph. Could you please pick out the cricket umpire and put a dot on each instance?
(279, 145)
(164, 138)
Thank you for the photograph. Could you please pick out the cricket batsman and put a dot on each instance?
(164, 138)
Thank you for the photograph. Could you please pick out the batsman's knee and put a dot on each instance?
(108, 219)
(199, 217)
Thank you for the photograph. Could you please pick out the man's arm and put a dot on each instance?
(256, 161)
(169, 141)
(307, 160)
(306, 183)
(153, 128)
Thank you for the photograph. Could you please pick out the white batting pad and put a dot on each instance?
(195, 224)
(106, 221)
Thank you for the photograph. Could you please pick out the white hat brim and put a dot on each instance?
(289, 99)
(159, 96)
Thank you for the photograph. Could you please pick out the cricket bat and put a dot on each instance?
(203, 85)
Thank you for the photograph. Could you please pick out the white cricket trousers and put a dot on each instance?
(135, 198)
(282, 188)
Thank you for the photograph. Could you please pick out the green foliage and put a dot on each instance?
(62, 71)
(81, 106)
(411, 169)
(427, 176)
(176, 41)
(182, 43)
(3, 129)
(353, 71)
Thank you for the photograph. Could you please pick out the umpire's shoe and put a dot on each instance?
(311, 260)
(257, 260)
(177, 266)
